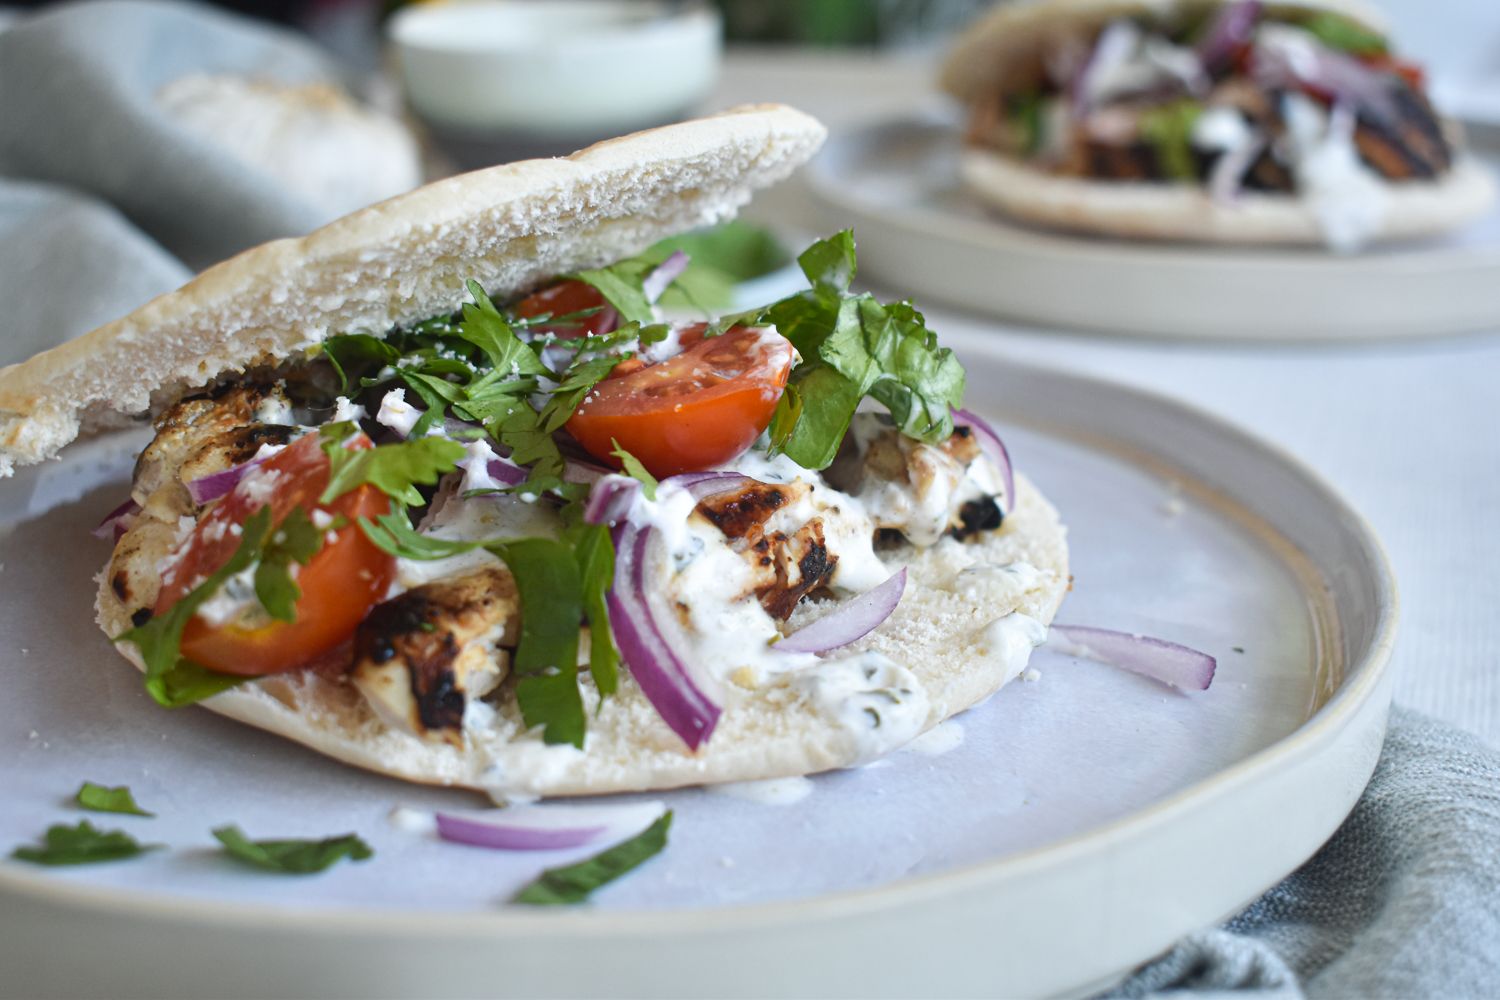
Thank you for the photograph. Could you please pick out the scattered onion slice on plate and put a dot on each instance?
(117, 521)
(546, 827)
(854, 619)
(994, 449)
(1168, 662)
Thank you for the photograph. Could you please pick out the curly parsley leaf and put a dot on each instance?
(291, 857)
(546, 661)
(296, 539)
(101, 798)
(853, 346)
(170, 679)
(830, 264)
(1344, 34)
(621, 285)
(575, 883)
(83, 844)
(635, 470)
(393, 533)
(485, 328)
(394, 469)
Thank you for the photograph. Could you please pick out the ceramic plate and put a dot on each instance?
(1063, 831)
(897, 184)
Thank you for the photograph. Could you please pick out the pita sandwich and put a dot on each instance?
(1235, 122)
(440, 490)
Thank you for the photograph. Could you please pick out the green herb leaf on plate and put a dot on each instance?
(84, 844)
(292, 857)
(574, 883)
(100, 798)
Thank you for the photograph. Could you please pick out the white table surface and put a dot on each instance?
(1409, 432)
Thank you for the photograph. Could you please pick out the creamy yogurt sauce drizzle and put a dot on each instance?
(940, 739)
(770, 792)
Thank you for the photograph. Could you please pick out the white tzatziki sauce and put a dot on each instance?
(940, 739)
(1348, 199)
(1009, 640)
(878, 703)
(768, 792)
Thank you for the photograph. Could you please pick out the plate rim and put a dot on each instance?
(1362, 680)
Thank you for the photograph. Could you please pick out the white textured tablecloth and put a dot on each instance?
(1409, 432)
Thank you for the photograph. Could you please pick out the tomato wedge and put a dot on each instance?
(693, 411)
(339, 584)
(566, 298)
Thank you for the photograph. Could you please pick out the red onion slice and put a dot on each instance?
(1158, 659)
(1229, 170)
(215, 485)
(117, 521)
(661, 278)
(503, 470)
(1232, 28)
(653, 646)
(546, 828)
(707, 484)
(610, 499)
(1289, 57)
(854, 619)
(993, 447)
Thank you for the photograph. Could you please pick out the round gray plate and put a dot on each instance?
(1085, 821)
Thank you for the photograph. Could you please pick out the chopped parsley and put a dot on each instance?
(291, 857)
(84, 844)
(635, 470)
(100, 798)
(170, 678)
(1168, 130)
(575, 883)
(853, 346)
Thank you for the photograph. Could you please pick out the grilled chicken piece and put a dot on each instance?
(419, 656)
(186, 427)
(921, 490)
(1410, 146)
(230, 448)
(785, 566)
(135, 568)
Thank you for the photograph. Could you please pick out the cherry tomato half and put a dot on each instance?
(566, 298)
(346, 577)
(693, 411)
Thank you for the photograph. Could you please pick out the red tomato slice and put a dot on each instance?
(698, 409)
(568, 297)
(339, 584)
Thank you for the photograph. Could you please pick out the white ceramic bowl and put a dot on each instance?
(554, 67)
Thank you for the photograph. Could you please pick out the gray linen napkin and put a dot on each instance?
(78, 86)
(1403, 901)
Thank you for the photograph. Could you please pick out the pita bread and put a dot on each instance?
(508, 227)
(1139, 210)
(1004, 50)
(511, 228)
(937, 631)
